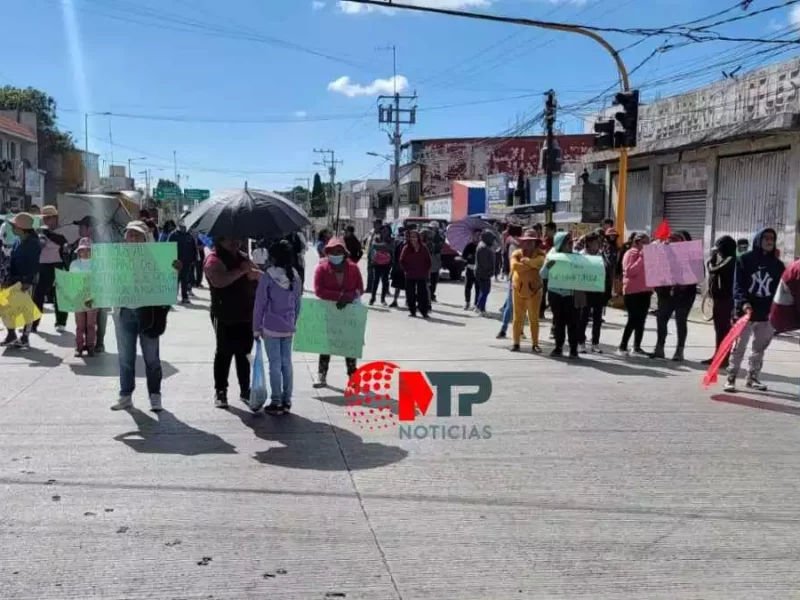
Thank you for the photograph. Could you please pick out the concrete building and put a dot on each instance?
(117, 180)
(434, 164)
(371, 199)
(21, 182)
(723, 159)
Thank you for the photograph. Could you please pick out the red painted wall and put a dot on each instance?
(445, 160)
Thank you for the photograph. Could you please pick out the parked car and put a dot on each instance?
(451, 260)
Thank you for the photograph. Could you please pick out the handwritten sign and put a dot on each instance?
(577, 272)
(17, 308)
(679, 263)
(324, 329)
(72, 291)
(133, 275)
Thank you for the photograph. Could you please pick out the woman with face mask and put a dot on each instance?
(337, 279)
(233, 280)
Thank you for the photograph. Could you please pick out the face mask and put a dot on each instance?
(336, 259)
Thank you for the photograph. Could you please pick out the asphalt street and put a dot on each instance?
(603, 479)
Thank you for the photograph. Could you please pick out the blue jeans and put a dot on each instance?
(127, 325)
(508, 309)
(484, 287)
(279, 356)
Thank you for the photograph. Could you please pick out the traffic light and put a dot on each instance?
(628, 118)
(604, 140)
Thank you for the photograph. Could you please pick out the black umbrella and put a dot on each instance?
(242, 214)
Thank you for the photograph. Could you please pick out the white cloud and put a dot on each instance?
(354, 8)
(317, 5)
(344, 86)
(794, 16)
(300, 114)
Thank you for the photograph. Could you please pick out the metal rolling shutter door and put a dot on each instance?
(686, 211)
(751, 194)
(638, 208)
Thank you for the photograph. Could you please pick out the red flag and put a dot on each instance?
(724, 348)
(662, 232)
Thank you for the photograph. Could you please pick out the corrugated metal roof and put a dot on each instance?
(11, 127)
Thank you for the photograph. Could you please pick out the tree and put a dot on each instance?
(319, 204)
(51, 140)
(167, 183)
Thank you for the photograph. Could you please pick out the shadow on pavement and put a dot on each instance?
(343, 401)
(615, 367)
(36, 356)
(753, 403)
(168, 435)
(304, 446)
(445, 322)
(107, 365)
(64, 340)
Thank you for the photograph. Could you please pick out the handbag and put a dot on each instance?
(258, 386)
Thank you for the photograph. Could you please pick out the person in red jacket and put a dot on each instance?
(337, 279)
(416, 262)
(785, 311)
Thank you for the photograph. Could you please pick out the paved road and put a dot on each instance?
(605, 479)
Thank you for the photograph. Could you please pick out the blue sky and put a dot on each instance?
(182, 75)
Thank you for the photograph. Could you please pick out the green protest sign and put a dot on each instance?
(324, 329)
(577, 272)
(134, 275)
(72, 291)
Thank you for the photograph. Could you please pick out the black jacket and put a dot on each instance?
(722, 268)
(353, 247)
(469, 253)
(756, 280)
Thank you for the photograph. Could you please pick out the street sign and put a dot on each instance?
(194, 195)
(167, 193)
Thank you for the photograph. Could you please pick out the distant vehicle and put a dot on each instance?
(451, 260)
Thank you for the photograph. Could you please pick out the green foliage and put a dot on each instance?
(166, 183)
(51, 140)
(319, 205)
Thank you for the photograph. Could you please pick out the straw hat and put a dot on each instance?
(49, 211)
(138, 226)
(22, 221)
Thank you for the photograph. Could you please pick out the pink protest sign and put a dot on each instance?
(679, 263)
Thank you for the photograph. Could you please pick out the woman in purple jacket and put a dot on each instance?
(275, 315)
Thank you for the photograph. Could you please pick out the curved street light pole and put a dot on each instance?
(622, 182)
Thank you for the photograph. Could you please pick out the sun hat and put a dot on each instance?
(336, 243)
(22, 221)
(138, 226)
(84, 244)
(49, 211)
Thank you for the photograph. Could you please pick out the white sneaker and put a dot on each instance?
(622, 353)
(596, 349)
(155, 403)
(60, 328)
(124, 403)
(582, 348)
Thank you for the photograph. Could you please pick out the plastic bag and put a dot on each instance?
(258, 386)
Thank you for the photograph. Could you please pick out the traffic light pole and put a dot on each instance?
(550, 118)
(622, 185)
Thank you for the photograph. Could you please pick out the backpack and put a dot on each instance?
(382, 258)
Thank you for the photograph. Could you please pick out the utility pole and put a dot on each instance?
(393, 114)
(330, 162)
(549, 151)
